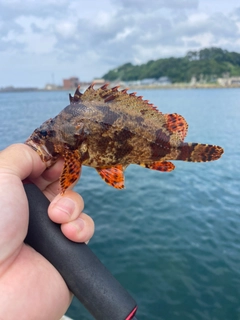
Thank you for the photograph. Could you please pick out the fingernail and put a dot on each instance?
(78, 224)
(65, 205)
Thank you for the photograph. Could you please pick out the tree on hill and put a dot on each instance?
(206, 63)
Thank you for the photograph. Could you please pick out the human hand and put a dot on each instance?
(30, 287)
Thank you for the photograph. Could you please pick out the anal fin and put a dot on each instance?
(164, 166)
(71, 170)
(113, 176)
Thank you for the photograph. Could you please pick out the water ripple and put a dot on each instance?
(172, 239)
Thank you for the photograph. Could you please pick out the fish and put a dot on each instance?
(109, 129)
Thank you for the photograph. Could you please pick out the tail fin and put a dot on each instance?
(197, 152)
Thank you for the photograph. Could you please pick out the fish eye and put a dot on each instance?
(43, 133)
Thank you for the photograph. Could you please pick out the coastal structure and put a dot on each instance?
(70, 83)
(229, 81)
(162, 81)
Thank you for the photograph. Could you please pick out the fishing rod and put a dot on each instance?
(86, 277)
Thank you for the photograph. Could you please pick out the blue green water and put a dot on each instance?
(171, 239)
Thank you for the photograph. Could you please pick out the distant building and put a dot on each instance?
(164, 81)
(50, 86)
(70, 83)
(99, 81)
(229, 81)
(235, 81)
(193, 81)
(132, 83)
(148, 81)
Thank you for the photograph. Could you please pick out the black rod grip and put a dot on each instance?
(86, 277)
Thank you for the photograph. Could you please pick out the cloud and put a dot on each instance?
(87, 38)
(12, 9)
(143, 6)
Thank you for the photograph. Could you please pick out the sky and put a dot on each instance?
(45, 41)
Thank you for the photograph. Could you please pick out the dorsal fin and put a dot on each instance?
(118, 97)
(77, 95)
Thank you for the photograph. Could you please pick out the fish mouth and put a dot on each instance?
(42, 151)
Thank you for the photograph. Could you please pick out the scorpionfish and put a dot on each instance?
(109, 129)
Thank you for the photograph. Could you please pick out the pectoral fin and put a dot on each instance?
(164, 166)
(113, 176)
(177, 125)
(71, 170)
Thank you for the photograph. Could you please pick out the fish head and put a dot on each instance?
(44, 141)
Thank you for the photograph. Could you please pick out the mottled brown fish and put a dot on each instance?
(109, 129)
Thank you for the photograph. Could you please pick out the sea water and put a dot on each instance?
(171, 239)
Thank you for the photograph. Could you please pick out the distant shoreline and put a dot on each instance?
(182, 86)
(132, 87)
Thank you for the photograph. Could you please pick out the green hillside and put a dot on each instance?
(206, 64)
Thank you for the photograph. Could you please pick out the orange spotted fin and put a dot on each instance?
(164, 166)
(113, 176)
(177, 125)
(71, 170)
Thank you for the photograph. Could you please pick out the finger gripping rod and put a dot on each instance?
(86, 277)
